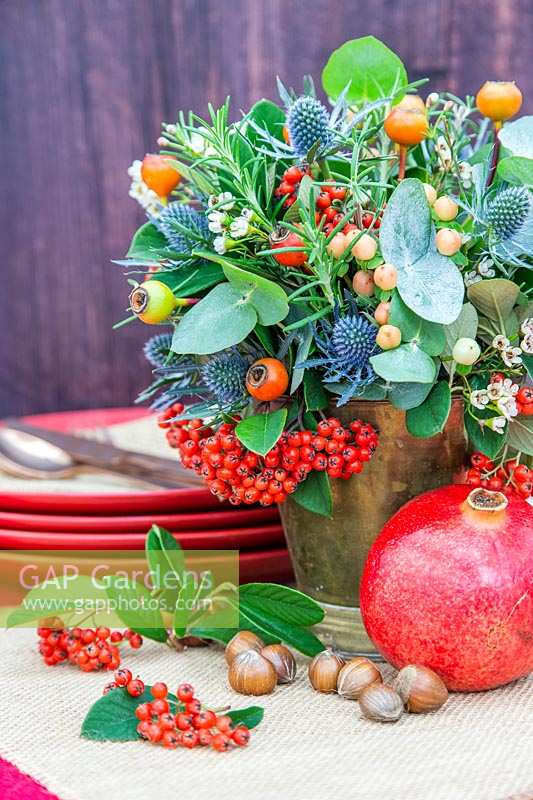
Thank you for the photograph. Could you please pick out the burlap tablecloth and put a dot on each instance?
(308, 747)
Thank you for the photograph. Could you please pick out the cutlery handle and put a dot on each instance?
(160, 471)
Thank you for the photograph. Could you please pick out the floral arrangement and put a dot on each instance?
(304, 257)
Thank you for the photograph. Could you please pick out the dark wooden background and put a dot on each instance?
(84, 85)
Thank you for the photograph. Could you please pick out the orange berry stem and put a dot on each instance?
(495, 154)
(402, 162)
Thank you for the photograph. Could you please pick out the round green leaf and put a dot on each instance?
(428, 335)
(222, 319)
(431, 416)
(408, 395)
(405, 363)
(517, 137)
(517, 170)
(268, 299)
(371, 68)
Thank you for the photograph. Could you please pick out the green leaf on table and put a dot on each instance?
(431, 416)
(483, 438)
(427, 335)
(64, 593)
(405, 363)
(429, 284)
(193, 278)
(261, 432)
(407, 395)
(149, 244)
(516, 170)
(112, 718)
(288, 605)
(221, 319)
(134, 606)
(251, 717)
(315, 395)
(314, 494)
(368, 65)
(494, 298)
(517, 137)
(298, 637)
(520, 434)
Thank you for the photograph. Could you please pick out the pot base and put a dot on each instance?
(342, 629)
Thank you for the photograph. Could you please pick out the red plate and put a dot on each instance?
(249, 538)
(220, 519)
(160, 500)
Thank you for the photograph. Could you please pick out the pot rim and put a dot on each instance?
(457, 399)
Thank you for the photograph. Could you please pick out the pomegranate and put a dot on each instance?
(448, 584)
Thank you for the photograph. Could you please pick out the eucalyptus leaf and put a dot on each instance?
(189, 280)
(494, 298)
(408, 395)
(520, 434)
(314, 494)
(431, 416)
(221, 319)
(405, 363)
(261, 432)
(428, 335)
(268, 298)
(517, 137)
(369, 66)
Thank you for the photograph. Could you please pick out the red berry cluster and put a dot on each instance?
(290, 182)
(524, 400)
(185, 724)
(511, 478)
(88, 648)
(329, 207)
(234, 473)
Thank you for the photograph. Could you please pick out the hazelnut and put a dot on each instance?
(421, 689)
(243, 640)
(380, 703)
(324, 670)
(356, 675)
(250, 673)
(282, 660)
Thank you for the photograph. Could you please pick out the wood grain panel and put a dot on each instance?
(84, 85)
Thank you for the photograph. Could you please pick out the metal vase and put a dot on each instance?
(329, 554)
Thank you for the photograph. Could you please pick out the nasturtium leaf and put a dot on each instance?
(288, 605)
(464, 327)
(429, 284)
(295, 636)
(516, 170)
(221, 319)
(314, 494)
(149, 243)
(407, 395)
(315, 396)
(431, 416)
(187, 281)
(405, 363)
(483, 438)
(428, 335)
(251, 717)
(520, 434)
(268, 298)
(495, 298)
(368, 65)
(517, 137)
(261, 432)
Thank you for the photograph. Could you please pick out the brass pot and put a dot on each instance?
(329, 554)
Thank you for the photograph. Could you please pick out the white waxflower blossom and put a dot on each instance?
(448, 105)
(471, 278)
(431, 99)
(216, 221)
(497, 424)
(443, 151)
(219, 244)
(147, 198)
(485, 268)
(494, 391)
(239, 227)
(134, 171)
(507, 406)
(465, 174)
(500, 342)
(527, 326)
(509, 388)
(479, 398)
(224, 201)
(511, 356)
(247, 213)
(527, 343)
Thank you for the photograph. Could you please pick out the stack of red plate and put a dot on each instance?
(119, 521)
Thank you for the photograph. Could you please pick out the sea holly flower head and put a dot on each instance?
(308, 124)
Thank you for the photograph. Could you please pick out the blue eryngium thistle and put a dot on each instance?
(157, 351)
(308, 122)
(176, 220)
(224, 375)
(508, 210)
(347, 346)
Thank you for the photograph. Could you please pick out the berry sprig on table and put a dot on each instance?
(90, 649)
(186, 723)
(236, 474)
(511, 478)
